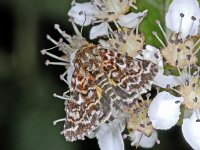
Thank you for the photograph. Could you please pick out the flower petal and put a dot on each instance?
(99, 30)
(164, 110)
(139, 139)
(191, 131)
(190, 8)
(135, 137)
(109, 136)
(131, 20)
(104, 43)
(70, 71)
(149, 142)
(83, 13)
(163, 81)
(153, 54)
(91, 135)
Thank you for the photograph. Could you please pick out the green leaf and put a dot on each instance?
(156, 11)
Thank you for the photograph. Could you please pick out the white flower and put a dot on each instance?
(131, 20)
(153, 54)
(70, 71)
(139, 139)
(104, 12)
(125, 42)
(163, 81)
(109, 136)
(191, 130)
(69, 51)
(164, 110)
(83, 13)
(183, 16)
(149, 142)
(183, 19)
(99, 30)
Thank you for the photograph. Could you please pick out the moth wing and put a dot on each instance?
(130, 76)
(86, 108)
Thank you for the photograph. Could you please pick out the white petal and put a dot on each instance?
(139, 139)
(132, 19)
(149, 142)
(104, 44)
(99, 30)
(163, 81)
(185, 75)
(135, 137)
(72, 56)
(70, 71)
(164, 110)
(83, 13)
(109, 136)
(191, 131)
(189, 8)
(153, 54)
(91, 135)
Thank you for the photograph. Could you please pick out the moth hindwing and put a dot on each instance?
(100, 78)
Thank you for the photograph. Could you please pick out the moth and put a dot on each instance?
(101, 78)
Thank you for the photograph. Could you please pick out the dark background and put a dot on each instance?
(27, 107)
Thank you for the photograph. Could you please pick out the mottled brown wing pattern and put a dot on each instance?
(83, 107)
(102, 77)
(91, 96)
(131, 76)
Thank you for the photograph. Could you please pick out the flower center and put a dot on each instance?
(178, 53)
(191, 93)
(139, 119)
(126, 42)
(111, 10)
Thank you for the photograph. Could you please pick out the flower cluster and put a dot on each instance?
(182, 85)
(102, 13)
(116, 25)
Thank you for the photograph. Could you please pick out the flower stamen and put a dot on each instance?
(59, 120)
(47, 63)
(63, 79)
(44, 52)
(181, 15)
(173, 89)
(197, 50)
(158, 38)
(198, 115)
(61, 97)
(52, 40)
(131, 5)
(78, 33)
(176, 62)
(116, 24)
(163, 32)
(63, 33)
(193, 19)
